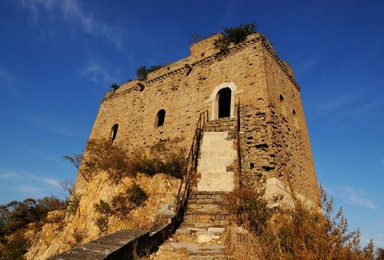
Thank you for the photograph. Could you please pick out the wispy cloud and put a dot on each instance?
(228, 13)
(31, 191)
(337, 102)
(353, 196)
(97, 74)
(39, 179)
(8, 82)
(10, 176)
(52, 182)
(34, 185)
(6, 79)
(307, 65)
(52, 126)
(47, 156)
(353, 104)
(363, 109)
(74, 15)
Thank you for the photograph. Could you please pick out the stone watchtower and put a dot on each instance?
(256, 124)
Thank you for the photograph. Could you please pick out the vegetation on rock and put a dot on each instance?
(298, 233)
(159, 159)
(104, 156)
(143, 71)
(234, 35)
(114, 86)
(122, 204)
(18, 216)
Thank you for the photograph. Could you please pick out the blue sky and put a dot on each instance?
(59, 57)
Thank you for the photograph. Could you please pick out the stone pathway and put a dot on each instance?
(202, 233)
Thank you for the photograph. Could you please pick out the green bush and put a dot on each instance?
(234, 35)
(15, 247)
(136, 195)
(103, 155)
(73, 203)
(160, 159)
(114, 86)
(249, 207)
(105, 211)
(297, 233)
(18, 214)
(104, 208)
(121, 205)
(102, 223)
(222, 43)
(142, 71)
(239, 34)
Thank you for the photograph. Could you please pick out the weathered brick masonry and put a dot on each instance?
(274, 137)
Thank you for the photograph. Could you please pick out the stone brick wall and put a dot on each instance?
(273, 139)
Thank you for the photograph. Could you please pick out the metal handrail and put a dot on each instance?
(190, 164)
(238, 146)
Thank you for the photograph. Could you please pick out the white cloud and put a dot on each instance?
(47, 156)
(31, 191)
(9, 176)
(8, 82)
(382, 162)
(354, 197)
(6, 78)
(52, 126)
(76, 17)
(40, 180)
(97, 74)
(52, 182)
(338, 102)
(307, 65)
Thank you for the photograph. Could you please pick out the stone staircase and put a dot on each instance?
(202, 233)
(222, 125)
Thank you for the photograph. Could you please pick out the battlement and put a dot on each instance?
(202, 52)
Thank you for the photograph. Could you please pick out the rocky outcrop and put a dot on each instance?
(80, 228)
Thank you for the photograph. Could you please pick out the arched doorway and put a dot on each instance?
(221, 101)
(224, 102)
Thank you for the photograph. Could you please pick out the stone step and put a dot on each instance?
(205, 207)
(214, 196)
(206, 223)
(200, 212)
(222, 121)
(209, 249)
(221, 124)
(215, 257)
(199, 249)
(199, 231)
(220, 129)
(205, 216)
(205, 201)
(209, 193)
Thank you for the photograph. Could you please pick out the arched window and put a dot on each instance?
(224, 102)
(114, 131)
(160, 118)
